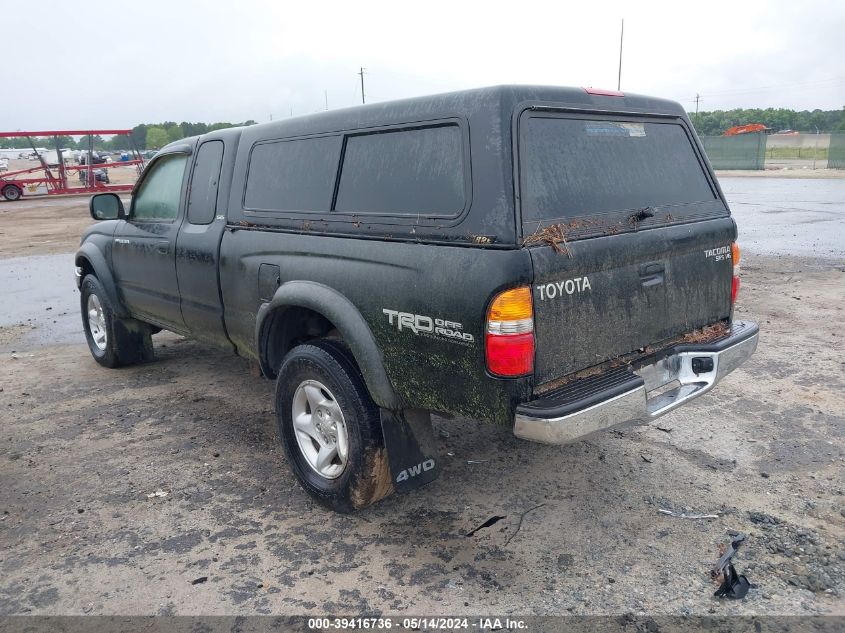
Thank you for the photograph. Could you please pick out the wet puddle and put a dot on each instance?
(784, 216)
(40, 304)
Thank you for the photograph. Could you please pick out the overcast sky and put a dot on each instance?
(249, 59)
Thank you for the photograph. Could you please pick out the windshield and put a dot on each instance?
(573, 167)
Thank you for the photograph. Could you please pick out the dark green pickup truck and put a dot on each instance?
(559, 260)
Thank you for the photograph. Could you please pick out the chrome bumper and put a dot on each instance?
(646, 393)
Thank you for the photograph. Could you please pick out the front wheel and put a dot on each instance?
(331, 428)
(113, 341)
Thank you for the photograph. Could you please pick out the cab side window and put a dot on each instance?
(202, 200)
(158, 196)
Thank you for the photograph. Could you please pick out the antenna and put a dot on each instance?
(621, 37)
(362, 84)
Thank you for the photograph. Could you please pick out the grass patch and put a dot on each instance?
(819, 153)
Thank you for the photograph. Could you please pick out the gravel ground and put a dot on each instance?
(162, 488)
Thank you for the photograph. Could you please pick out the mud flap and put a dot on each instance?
(134, 342)
(411, 448)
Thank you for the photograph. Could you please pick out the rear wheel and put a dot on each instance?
(331, 428)
(112, 341)
(11, 192)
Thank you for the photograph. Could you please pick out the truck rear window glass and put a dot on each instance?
(415, 171)
(296, 175)
(576, 167)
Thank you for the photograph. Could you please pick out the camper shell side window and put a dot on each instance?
(411, 172)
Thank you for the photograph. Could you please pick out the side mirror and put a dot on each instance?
(106, 206)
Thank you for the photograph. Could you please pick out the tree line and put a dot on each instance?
(145, 136)
(716, 122)
(157, 135)
(153, 136)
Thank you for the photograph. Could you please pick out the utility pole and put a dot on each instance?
(697, 99)
(362, 85)
(621, 37)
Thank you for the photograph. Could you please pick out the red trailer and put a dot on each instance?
(15, 184)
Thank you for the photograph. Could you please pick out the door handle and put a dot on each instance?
(163, 247)
(652, 268)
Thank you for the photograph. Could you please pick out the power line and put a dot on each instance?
(774, 87)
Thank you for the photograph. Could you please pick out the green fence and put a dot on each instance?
(836, 154)
(745, 151)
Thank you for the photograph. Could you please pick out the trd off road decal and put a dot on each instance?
(556, 289)
(718, 254)
(422, 325)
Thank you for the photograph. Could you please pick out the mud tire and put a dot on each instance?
(128, 341)
(366, 477)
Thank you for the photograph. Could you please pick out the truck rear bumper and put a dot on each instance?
(622, 395)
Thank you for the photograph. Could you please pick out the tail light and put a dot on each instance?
(509, 340)
(735, 280)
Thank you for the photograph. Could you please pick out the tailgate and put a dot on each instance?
(628, 234)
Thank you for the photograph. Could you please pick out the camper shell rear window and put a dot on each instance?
(580, 166)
